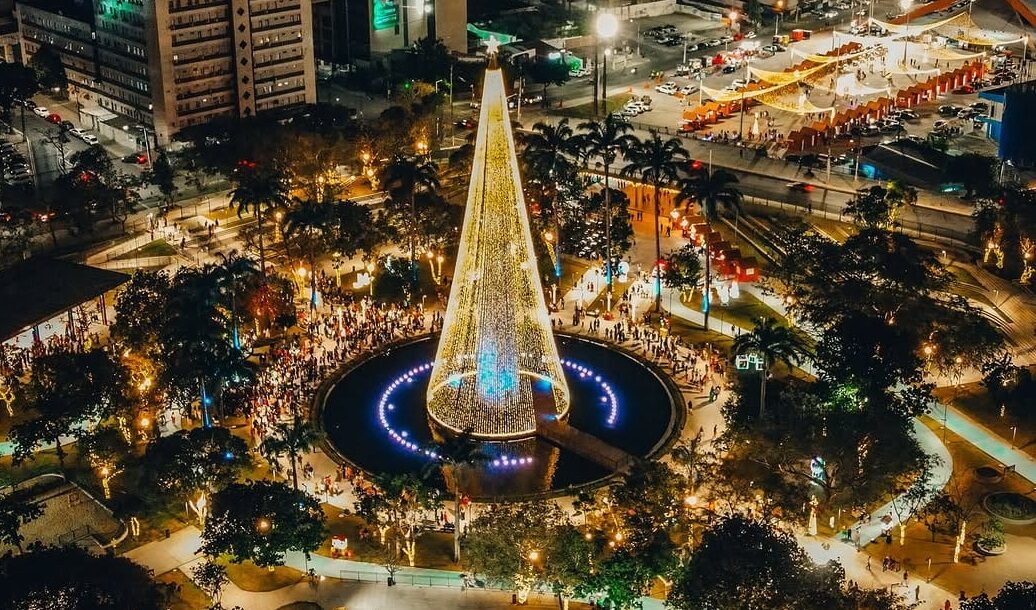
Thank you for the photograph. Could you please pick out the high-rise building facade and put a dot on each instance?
(349, 31)
(171, 64)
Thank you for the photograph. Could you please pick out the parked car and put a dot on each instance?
(40, 111)
(75, 131)
(29, 104)
(980, 107)
(729, 69)
(948, 110)
(90, 139)
(53, 117)
(137, 158)
(666, 88)
(67, 125)
(688, 89)
(965, 90)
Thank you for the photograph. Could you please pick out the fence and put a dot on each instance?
(457, 581)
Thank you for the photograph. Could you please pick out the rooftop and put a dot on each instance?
(38, 289)
(80, 10)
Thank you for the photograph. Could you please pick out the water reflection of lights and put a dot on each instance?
(386, 406)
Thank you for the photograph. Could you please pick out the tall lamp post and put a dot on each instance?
(778, 8)
(733, 20)
(607, 27)
(904, 5)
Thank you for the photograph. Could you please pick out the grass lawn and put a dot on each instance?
(250, 577)
(159, 247)
(186, 595)
(434, 549)
(586, 111)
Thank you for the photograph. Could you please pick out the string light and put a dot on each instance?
(497, 356)
(386, 406)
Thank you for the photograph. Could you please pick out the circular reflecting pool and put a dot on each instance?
(375, 418)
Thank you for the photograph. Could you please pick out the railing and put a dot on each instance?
(456, 581)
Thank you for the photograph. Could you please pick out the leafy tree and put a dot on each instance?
(66, 390)
(427, 60)
(743, 564)
(878, 207)
(773, 343)
(620, 580)
(606, 140)
(140, 310)
(710, 190)
(1012, 596)
(546, 73)
(197, 460)
(210, 577)
(198, 359)
(70, 578)
(656, 162)
(1009, 385)
(875, 303)
(977, 172)
(16, 511)
(50, 71)
(260, 521)
(528, 544)
(163, 175)
(682, 269)
(404, 178)
(106, 450)
(259, 189)
(397, 506)
(17, 82)
(357, 229)
(821, 440)
(290, 441)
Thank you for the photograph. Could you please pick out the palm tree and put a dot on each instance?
(258, 190)
(310, 224)
(457, 453)
(656, 162)
(711, 189)
(606, 139)
(291, 440)
(403, 178)
(233, 267)
(773, 343)
(546, 153)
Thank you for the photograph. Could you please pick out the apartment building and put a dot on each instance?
(356, 31)
(171, 64)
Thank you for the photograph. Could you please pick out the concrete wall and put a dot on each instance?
(644, 9)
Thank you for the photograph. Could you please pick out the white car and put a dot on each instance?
(636, 106)
(750, 35)
(90, 139)
(77, 132)
(687, 89)
(41, 111)
(666, 88)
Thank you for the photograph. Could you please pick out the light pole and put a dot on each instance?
(905, 6)
(778, 8)
(733, 20)
(607, 27)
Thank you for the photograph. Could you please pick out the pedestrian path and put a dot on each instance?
(992, 444)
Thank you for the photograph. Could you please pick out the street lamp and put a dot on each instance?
(904, 5)
(778, 8)
(607, 27)
(733, 20)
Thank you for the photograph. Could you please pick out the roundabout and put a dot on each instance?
(374, 415)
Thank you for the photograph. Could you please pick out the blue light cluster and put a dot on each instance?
(384, 406)
(608, 399)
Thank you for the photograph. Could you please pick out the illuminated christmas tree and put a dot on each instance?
(497, 368)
